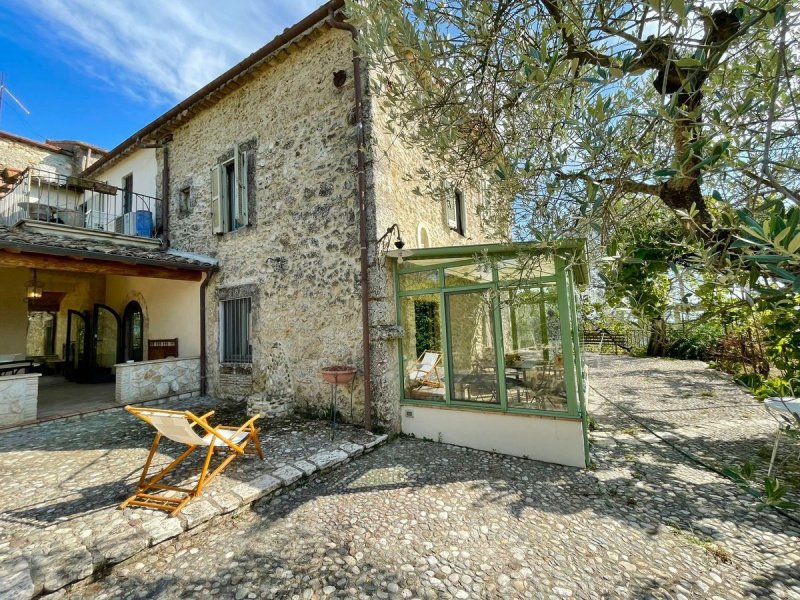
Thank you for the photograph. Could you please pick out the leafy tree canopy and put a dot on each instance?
(574, 105)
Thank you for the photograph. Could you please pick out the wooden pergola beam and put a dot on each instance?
(77, 264)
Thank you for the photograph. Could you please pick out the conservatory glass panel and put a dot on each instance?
(472, 353)
(471, 274)
(419, 280)
(533, 358)
(525, 268)
(423, 355)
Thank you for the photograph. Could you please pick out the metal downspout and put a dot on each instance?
(361, 192)
(165, 199)
(203, 353)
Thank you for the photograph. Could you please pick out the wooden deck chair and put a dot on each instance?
(179, 426)
(425, 371)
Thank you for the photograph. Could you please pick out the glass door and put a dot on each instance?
(76, 366)
(471, 347)
(133, 322)
(107, 347)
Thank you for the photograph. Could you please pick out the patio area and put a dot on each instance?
(424, 520)
(61, 398)
(61, 483)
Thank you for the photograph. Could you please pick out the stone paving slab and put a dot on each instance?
(61, 483)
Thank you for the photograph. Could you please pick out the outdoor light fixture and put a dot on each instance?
(33, 290)
(386, 238)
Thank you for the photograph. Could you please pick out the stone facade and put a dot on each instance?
(398, 195)
(18, 398)
(170, 378)
(20, 155)
(298, 258)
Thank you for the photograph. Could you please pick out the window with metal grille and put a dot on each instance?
(235, 327)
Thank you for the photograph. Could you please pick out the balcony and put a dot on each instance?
(38, 195)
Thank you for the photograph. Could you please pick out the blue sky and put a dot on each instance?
(99, 70)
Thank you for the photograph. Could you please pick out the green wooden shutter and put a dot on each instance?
(217, 212)
(242, 213)
(450, 204)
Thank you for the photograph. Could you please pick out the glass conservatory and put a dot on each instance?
(490, 356)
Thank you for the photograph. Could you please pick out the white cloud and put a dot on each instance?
(161, 51)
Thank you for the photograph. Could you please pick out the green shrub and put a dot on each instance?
(694, 342)
(750, 380)
(777, 387)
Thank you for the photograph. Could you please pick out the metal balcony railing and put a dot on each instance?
(43, 196)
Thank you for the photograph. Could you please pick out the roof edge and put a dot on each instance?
(43, 145)
(285, 37)
(70, 252)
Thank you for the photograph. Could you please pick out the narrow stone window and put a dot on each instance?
(455, 210)
(229, 192)
(183, 200)
(235, 323)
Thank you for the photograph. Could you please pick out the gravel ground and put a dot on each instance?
(417, 519)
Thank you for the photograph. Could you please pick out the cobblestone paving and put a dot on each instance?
(61, 483)
(418, 519)
(699, 410)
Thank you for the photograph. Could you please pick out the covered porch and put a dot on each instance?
(78, 330)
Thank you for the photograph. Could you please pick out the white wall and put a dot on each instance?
(547, 439)
(171, 308)
(142, 163)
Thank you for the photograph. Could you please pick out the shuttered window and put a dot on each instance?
(235, 321)
(229, 201)
(454, 198)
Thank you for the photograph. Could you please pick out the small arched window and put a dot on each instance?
(423, 241)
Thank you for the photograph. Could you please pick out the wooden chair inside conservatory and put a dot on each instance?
(186, 428)
(425, 371)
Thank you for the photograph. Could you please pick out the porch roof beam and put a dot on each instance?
(82, 264)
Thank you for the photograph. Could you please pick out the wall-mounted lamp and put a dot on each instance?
(33, 289)
(386, 239)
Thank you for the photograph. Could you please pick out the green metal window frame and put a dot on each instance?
(564, 282)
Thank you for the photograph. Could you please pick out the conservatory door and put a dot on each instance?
(471, 347)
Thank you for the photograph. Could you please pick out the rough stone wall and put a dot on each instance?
(18, 398)
(151, 380)
(19, 155)
(298, 258)
(394, 175)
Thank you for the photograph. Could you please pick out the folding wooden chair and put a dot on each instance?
(179, 426)
(425, 371)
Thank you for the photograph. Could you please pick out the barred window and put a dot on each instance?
(235, 328)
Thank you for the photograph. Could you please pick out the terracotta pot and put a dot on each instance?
(338, 374)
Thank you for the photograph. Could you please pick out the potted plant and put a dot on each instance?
(339, 374)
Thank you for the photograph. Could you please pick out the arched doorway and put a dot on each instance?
(133, 327)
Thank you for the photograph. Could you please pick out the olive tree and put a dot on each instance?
(588, 110)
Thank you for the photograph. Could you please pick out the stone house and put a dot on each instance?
(280, 129)
(281, 180)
